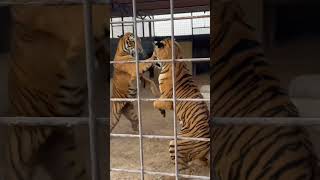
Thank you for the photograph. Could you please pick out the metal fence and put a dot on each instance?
(142, 171)
(93, 121)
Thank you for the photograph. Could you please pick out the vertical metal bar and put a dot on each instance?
(143, 35)
(134, 9)
(192, 24)
(90, 79)
(153, 26)
(122, 25)
(111, 28)
(174, 90)
(150, 28)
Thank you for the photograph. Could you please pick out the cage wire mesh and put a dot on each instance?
(136, 25)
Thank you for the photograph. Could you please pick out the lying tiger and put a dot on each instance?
(193, 116)
(124, 80)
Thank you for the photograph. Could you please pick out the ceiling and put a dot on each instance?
(156, 7)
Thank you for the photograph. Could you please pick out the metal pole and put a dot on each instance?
(90, 79)
(111, 27)
(122, 26)
(152, 61)
(174, 90)
(192, 24)
(153, 26)
(138, 86)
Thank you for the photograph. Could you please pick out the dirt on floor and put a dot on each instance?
(125, 153)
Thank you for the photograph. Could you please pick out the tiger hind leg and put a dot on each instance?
(182, 159)
(189, 158)
(115, 120)
(129, 112)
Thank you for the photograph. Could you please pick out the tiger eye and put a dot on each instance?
(160, 44)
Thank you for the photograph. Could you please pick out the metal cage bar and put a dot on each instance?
(153, 99)
(174, 91)
(135, 29)
(71, 121)
(159, 173)
(159, 137)
(50, 2)
(162, 19)
(90, 55)
(177, 60)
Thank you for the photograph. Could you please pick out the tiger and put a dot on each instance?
(193, 115)
(47, 78)
(124, 84)
(242, 85)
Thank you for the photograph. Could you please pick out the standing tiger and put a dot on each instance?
(193, 115)
(47, 78)
(243, 86)
(124, 80)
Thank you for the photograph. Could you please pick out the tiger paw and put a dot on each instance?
(144, 67)
(163, 112)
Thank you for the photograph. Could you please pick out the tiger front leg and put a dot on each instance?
(142, 68)
(131, 69)
(162, 106)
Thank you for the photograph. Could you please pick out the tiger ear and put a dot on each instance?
(120, 36)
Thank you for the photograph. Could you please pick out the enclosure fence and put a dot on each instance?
(175, 137)
(93, 121)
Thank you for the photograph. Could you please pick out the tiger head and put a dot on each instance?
(127, 44)
(163, 51)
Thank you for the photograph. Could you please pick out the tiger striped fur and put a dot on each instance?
(242, 85)
(47, 78)
(124, 80)
(193, 116)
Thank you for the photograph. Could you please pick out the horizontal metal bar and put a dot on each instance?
(285, 121)
(48, 121)
(39, 121)
(70, 121)
(163, 19)
(49, 2)
(159, 137)
(158, 173)
(203, 27)
(155, 99)
(170, 60)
